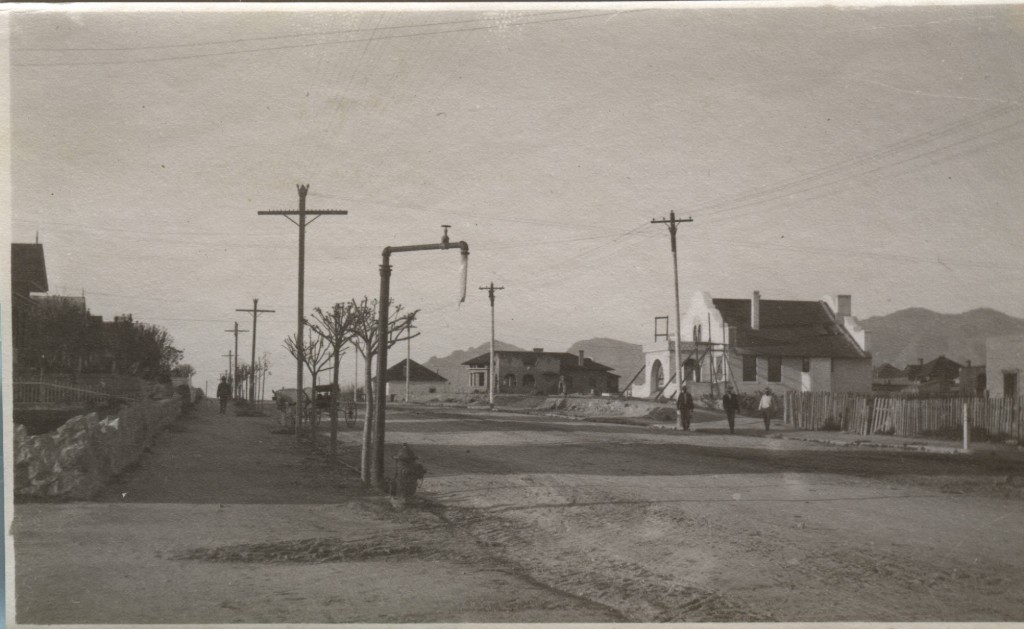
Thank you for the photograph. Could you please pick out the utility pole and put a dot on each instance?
(672, 222)
(302, 213)
(252, 372)
(408, 361)
(234, 374)
(228, 356)
(490, 371)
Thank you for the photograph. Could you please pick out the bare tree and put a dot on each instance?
(335, 327)
(365, 338)
(315, 355)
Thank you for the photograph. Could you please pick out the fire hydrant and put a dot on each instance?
(408, 473)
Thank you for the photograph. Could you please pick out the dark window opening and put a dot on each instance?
(749, 368)
(774, 369)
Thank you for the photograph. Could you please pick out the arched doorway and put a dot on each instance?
(657, 377)
(529, 381)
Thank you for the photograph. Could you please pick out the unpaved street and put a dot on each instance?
(706, 526)
(529, 519)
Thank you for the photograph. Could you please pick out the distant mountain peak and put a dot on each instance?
(906, 336)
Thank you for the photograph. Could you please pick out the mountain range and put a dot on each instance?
(905, 336)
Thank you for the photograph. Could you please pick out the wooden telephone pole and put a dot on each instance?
(302, 222)
(252, 371)
(232, 378)
(672, 222)
(490, 371)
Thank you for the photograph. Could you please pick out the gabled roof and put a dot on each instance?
(788, 328)
(28, 267)
(936, 368)
(885, 371)
(565, 360)
(417, 373)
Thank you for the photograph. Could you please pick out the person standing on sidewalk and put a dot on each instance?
(223, 394)
(684, 408)
(765, 407)
(730, 404)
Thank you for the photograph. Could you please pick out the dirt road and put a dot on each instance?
(706, 526)
(529, 519)
(225, 522)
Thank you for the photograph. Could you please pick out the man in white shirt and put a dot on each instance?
(765, 407)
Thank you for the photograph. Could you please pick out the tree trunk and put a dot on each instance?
(364, 462)
(335, 394)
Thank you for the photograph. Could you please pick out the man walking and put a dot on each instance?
(765, 407)
(730, 404)
(223, 394)
(684, 409)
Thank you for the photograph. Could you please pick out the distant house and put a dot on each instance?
(940, 369)
(542, 372)
(1004, 360)
(423, 383)
(757, 343)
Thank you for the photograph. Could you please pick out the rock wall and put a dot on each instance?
(76, 460)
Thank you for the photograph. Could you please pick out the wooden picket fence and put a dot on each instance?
(54, 392)
(904, 417)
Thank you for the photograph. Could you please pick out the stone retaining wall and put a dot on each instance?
(76, 460)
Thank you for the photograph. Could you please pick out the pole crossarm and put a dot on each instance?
(297, 212)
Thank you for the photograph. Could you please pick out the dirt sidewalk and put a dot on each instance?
(225, 522)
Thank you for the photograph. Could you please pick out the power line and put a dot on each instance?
(309, 45)
(264, 38)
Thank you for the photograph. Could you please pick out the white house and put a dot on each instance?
(1004, 359)
(757, 343)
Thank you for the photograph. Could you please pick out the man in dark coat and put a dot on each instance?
(730, 404)
(223, 394)
(684, 409)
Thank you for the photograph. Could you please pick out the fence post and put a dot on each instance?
(967, 431)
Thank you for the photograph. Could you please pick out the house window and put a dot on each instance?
(749, 369)
(1009, 384)
(509, 380)
(805, 365)
(478, 379)
(774, 369)
(528, 380)
(433, 389)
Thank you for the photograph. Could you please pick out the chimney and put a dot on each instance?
(755, 311)
(581, 358)
(920, 361)
(968, 362)
(845, 304)
(538, 349)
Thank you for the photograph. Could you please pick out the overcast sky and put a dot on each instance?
(875, 152)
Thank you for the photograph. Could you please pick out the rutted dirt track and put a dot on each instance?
(527, 519)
